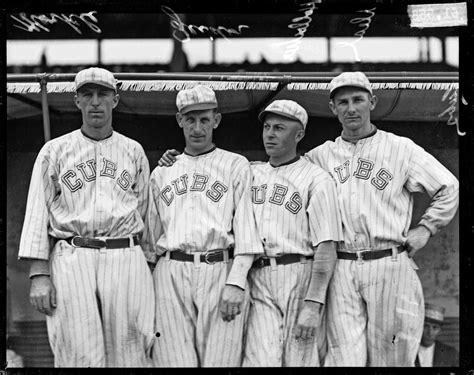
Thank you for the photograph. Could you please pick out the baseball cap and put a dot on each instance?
(286, 108)
(434, 313)
(199, 97)
(356, 79)
(98, 76)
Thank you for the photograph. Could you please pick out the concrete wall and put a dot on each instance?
(438, 261)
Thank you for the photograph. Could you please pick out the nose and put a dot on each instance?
(351, 107)
(269, 133)
(95, 99)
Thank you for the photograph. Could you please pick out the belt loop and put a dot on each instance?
(225, 254)
(103, 250)
(131, 244)
(303, 259)
(167, 256)
(394, 254)
(273, 263)
(197, 259)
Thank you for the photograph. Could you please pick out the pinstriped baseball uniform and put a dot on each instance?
(295, 208)
(201, 203)
(375, 180)
(105, 300)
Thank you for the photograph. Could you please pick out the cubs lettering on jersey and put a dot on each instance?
(296, 208)
(202, 203)
(80, 186)
(376, 308)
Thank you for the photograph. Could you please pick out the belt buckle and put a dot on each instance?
(72, 241)
(206, 257)
(360, 256)
(89, 243)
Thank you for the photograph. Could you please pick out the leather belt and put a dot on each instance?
(96, 243)
(368, 254)
(210, 257)
(282, 259)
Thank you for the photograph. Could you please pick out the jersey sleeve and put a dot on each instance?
(313, 156)
(153, 227)
(426, 174)
(246, 237)
(44, 187)
(141, 186)
(323, 210)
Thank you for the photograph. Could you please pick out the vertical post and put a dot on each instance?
(44, 105)
(328, 39)
(99, 52)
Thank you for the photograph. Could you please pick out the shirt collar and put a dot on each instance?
(202, 153)
(296, 158)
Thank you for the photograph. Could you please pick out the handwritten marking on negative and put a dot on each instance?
(291, 47)
(364, 23)
(451, 110)
(40, 22)
(183, 32)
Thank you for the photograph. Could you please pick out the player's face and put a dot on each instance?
(96, 104)
(280, 137)
(430, 332)
(352, 106)
(198, 127)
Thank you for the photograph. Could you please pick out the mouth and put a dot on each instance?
(270, 144)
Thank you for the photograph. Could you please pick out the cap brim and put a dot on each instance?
(103, 84)
(434, 321)
(198, 107)
(262, 114)
(331, 94)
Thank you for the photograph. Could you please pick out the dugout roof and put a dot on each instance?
(402, 96)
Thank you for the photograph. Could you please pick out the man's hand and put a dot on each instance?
(43, 294)
(231, 302)
(416, 239)
(168, 158)
(308, 320)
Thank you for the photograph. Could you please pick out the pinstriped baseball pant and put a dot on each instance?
(105, 307)
(375, 313)
(277, 297)
(192, 332)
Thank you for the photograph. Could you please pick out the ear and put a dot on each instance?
(217, 119)
(299, 135)
(76, 101)
(332, 107)
(373, 102)
(179, 118)
(116, 100)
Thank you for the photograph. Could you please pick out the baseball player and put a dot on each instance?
(375, 305)
(201, 226)
(298, 219)
(84, 215)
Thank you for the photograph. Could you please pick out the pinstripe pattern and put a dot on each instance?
(288, 226)
(105, 300)
(374, 308)
(106, 307)
(192, 332)
(382, 334)
(277, 298)
(197, 216)
(201, 203)
(63, 203)
(380, 218)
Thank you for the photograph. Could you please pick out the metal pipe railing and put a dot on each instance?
(323, 77)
